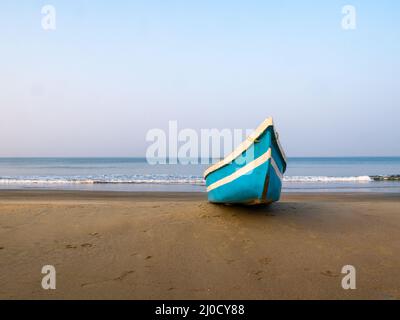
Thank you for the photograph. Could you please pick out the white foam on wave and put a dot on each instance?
(101, 180)
(314, 179)
(43, 181)
(159, 179)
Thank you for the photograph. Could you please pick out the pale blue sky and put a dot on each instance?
(113, 70)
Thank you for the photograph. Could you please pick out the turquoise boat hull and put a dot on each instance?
(252, 174)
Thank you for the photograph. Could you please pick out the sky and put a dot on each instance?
(113, 70)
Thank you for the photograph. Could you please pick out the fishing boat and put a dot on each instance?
(252, 173)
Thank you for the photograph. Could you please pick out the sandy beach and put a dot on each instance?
(115, 245)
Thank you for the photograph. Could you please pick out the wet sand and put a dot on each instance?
(113, 245)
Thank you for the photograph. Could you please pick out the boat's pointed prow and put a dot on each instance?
(252, 173)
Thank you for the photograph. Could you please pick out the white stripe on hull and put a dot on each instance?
(276, 168)
(246, 145)
(246, 169)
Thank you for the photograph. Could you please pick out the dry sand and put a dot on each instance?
(178, 246)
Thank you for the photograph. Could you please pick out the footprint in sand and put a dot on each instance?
(86, 245)
(264, 261)
(329, 273)
(124, 275)
(119, 278)
(256, 273)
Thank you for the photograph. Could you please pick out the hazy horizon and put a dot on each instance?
(144, 158)
(110, 72)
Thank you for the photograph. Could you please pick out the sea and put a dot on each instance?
(311, 174)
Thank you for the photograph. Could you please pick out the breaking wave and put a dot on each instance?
(137, 179)
(327, 179)
(173, 179)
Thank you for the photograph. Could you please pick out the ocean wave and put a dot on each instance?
(326, 179)
(173, 179)
(392, 177)
(150, 179)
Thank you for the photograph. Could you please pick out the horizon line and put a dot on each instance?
(199, 158)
